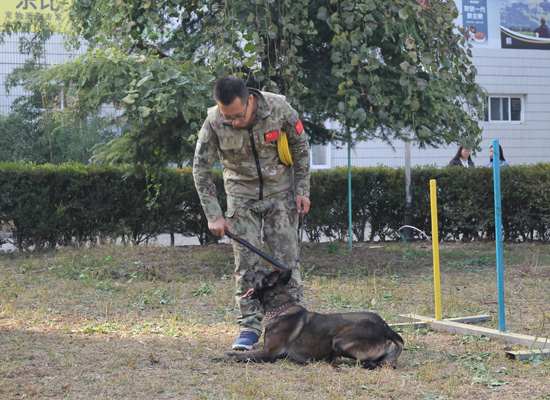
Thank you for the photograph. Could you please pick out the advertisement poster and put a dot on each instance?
(54, 11)
(474, 20)
(523, 24)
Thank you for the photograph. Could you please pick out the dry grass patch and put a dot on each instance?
(144, 323)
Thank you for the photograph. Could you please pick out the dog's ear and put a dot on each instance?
(285, 277)
(271, 279)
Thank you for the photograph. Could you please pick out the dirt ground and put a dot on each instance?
(144, 323)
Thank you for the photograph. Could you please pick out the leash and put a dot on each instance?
(266, 257)
(301, 239)
(247, 244)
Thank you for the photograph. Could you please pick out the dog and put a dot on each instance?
(292, 331)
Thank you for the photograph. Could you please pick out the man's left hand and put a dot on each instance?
(302, 203)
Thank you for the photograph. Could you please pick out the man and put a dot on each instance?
(542, 31)
(262, 192)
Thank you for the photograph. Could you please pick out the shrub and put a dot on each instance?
(75, 204)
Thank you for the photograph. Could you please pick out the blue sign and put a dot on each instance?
(474, 18)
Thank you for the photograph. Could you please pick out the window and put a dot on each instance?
(320, 156)
(504, 109)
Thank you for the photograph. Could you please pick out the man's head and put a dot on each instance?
(542, 21)
(233, 99)
(228, 88)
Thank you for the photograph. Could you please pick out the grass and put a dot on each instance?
(143, 323)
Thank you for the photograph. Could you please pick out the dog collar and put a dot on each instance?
(277, 310)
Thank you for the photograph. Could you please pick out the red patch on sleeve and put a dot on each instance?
(273, 135)
(299, 127)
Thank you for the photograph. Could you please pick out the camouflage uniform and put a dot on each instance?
(260, 189)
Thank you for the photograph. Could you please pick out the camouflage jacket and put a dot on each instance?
(249, 158)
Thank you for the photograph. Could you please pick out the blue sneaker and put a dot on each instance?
(245, 341)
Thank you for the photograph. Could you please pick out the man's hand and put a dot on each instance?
(302, 203)
(219, 226)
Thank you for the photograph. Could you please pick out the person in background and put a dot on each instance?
(503, 162)
(462, 158)
(542, 31)
(264, 194)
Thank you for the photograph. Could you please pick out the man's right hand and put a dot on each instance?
(219, 226)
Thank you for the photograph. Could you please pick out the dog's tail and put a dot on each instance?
(395, 341)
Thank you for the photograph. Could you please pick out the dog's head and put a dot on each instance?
(266, 284)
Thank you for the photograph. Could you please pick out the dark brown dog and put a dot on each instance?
(292, 331)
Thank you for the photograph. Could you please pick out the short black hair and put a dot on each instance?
(228, 88)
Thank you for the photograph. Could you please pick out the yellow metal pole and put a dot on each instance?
(435, 248)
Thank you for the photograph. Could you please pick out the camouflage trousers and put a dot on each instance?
(278, 218)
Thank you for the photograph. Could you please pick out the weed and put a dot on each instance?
(105, 286)
(413, 252)
(387, 298)
(334, 248)
(468, 339)
(307, 271)
(533, 359)
(204, 290)
(151, 272)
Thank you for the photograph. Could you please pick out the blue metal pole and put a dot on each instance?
(349, 194)
(498, 236)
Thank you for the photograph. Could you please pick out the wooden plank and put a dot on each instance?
(413, 325)
(474, 318)
(415, 318)
(525, 354)
(456, 327)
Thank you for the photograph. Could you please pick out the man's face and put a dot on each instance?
(237, 113)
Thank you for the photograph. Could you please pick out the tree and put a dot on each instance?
(30, 133)
(383, 69)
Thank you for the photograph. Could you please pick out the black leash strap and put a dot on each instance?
(247, 244)
(301, 239)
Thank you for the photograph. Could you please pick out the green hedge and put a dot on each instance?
(59, 205)
(75, 204)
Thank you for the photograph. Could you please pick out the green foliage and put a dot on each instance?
(59, 205)
(20, 134)
(26, 135)
(33, 32)
(162, 100)
(204, 290)
(30, 133)
(378, 204)
(75, 204)
(401, 65)
(381, 68)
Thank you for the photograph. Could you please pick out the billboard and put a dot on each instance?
(523, 24)
(54, 11)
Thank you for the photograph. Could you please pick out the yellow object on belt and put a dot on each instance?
(284, 151)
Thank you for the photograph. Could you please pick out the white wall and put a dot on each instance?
(525, 73)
